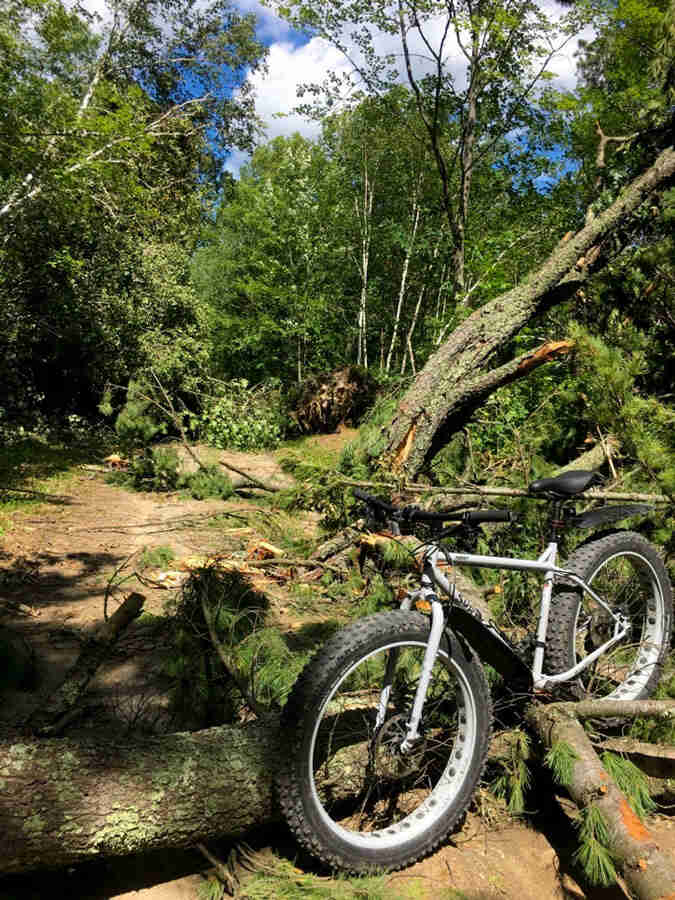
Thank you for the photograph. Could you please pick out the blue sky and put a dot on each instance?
(295, 59)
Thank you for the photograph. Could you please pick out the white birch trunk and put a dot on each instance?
(364, 213)
(404, 278)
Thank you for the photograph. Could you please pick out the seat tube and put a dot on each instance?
(548, 556)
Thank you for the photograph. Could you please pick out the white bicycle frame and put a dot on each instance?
(433, 577)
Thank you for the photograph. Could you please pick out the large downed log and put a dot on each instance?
(64, 801)
(648, 871)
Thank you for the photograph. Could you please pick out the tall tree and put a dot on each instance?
(464, 111)
(104, 123)
(270, 272)
(85, 93)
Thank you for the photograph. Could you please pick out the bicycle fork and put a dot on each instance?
(425, 592)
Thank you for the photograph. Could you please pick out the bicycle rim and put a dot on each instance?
(366, 791)
(628, 582)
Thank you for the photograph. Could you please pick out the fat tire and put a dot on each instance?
(561, 638)
(301, 720)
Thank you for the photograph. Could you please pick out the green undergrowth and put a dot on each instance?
(593, 855)
(272, 876)
(631, 781)
(158, 469)
(156, 557)
(256, 652)
(36, 470)
(512, 784)
(658, 731)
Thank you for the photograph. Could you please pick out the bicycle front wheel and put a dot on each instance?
(626, 571)
(349, 792)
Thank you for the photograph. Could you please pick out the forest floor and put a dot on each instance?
(59, 558)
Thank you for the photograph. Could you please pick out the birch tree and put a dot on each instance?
(474, 69)
(70, 78)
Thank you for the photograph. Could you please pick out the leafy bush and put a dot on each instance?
(244, 418)
(138, 421)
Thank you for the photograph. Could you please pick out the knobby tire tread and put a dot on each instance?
(308, 693)
(560, 652)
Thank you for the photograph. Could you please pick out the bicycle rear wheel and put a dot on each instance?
(627, 572)
(349, 793)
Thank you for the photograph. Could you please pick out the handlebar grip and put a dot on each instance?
(476, 516)
(373, 501)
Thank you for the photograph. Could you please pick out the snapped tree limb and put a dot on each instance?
(441, 397)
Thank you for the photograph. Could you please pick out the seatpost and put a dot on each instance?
(557, 522)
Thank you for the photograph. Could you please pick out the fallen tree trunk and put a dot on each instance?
(64, 801)
(648, 871)
(457, 377)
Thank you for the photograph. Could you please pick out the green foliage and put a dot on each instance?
(378, 596)
(593, 855)
(153, 469)
(279, 878)
(156, 558)
(258, 654)
(268, 272)
(513, 782)
(631, 781)
(561, 759)
(397, 555)
(244, 418)
(138, 422)
(206, 483)
(658, 731)
(612, 399)
(105, 158)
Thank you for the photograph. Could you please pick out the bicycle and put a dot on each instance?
(389, 724)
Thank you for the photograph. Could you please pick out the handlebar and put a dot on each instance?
(415, 514)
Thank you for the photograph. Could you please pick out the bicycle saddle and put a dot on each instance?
(567, 484)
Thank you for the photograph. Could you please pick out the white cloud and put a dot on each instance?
(292, 63)
(270, 28)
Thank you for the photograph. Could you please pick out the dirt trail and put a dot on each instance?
(58, 560)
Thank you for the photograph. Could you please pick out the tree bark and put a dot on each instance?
(415, 214)
(64, 801)
(444, 393)
(647, 870)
